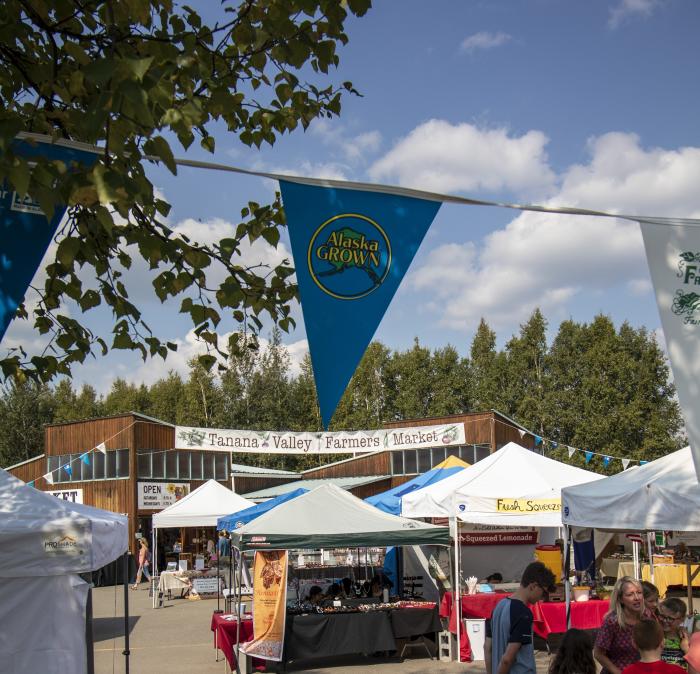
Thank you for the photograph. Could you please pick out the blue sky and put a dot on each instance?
(542, 101)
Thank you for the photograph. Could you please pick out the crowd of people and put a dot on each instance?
(639, 634)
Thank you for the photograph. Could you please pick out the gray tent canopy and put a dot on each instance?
(330, 517)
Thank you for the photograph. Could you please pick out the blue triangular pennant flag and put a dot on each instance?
(554, 444)
(589, 456)
(68, 470)
(351, 250)
(538, 440)
(85, 458)
(607, 460)
(25, 232)
(641, 463)
(30, 484)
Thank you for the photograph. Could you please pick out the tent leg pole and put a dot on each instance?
(567, 584)
(635, 559)
(89, 643)
(238, 610)
(689, 580)
(126, 652)
(457, 601)
(650, 551)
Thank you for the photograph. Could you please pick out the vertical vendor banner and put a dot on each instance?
(351, 250)
(673, 255)
(269, 605)
(25, 231)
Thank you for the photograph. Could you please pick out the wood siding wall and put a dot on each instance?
(378, 463)
(366, 490)
(245, 484)
(30, 470)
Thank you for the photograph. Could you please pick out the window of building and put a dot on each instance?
(196, 466)
(208, 471)
(409, 461)
(158, 464)
(171, 465)
(221, 465)
(86, 469)
(438, 456)
(467, 454)
(98, 465)
(122, 462)
(481, 453)
(183, 462)
(143, 464)
(397, 463)
(425, 458)
(111, 465)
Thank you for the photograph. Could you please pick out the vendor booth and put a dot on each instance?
(200, 508)
(330, 518)
(500, 506)
(44, 543)
(663, 496)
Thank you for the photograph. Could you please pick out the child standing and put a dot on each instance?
(651, 599)
(649, 639)
(575, 655)
(672, 613)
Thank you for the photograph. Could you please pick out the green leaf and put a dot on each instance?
(161, 148)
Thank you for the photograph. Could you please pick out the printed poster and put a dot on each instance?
(269, 605)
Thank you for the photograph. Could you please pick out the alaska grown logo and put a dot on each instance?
(686, 302)
(349, 256)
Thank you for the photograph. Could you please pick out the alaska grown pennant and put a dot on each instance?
(351, 250)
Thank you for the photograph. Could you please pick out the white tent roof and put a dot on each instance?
(662, 495)
(41, 535)
(512, 472)
(328, 517)
(202, 507)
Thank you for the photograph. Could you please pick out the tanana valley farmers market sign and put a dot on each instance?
(273, 442)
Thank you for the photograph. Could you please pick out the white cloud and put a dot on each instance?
(354, 147)
(627, 9)
(443, 157)
(484, 40)
(544, 260)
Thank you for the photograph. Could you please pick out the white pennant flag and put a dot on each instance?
(571, 451)
(625, 463)
(673, 255)
(49, 478)
(102, 448)
(522, 432)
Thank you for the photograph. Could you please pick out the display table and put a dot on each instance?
(182, 580)
(609, 567)
(319, 635)
(225, 636)
(664, 574)
(548, 617)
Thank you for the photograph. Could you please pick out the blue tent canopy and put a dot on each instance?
(390, 501)
(238, 519)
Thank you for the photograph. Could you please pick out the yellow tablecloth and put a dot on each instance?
(609, 566)
(664, 574)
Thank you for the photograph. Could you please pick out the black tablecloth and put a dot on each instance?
(316, 636)
(321, 635)
(413, 622)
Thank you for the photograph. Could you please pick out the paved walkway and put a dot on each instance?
(176, 639)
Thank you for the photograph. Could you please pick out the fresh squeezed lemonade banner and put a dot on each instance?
(511, 506)
(341, 442)
(269, 605)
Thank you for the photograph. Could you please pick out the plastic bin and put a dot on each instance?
(476, 631)
(550, 556)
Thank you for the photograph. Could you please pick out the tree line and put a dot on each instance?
(593, 387)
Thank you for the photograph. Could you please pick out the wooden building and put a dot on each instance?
(140, 470)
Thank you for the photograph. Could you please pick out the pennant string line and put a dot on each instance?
(385, 189)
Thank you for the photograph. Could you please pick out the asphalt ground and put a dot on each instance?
(177, 639)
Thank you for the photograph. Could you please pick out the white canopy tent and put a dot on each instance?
(512, 472)
(201, 508)
(662, 495)
(44, 543)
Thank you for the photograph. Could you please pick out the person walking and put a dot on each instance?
(144, 563)
(508, 645)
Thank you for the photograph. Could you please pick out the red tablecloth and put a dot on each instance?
(548, 617)
(225, 636)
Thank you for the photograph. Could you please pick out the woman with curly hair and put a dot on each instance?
(575, 654)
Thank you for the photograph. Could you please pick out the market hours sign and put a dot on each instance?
(159, 495)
